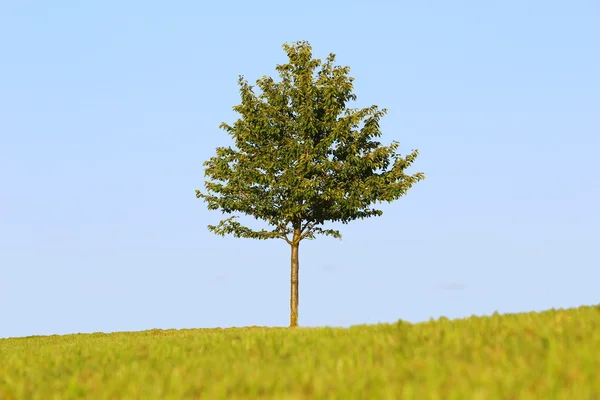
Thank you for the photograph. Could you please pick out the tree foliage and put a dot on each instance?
(302, 157)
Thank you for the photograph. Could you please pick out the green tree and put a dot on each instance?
(302, 158)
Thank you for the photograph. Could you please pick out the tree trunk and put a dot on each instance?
(294, 280)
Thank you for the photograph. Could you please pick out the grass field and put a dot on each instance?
(549, 355)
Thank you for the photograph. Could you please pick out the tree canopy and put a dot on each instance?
(302, 158)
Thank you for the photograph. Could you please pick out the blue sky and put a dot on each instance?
(108, 109)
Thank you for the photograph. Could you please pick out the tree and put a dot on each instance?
(302, 158)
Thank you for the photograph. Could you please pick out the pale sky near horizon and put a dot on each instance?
(108, 109)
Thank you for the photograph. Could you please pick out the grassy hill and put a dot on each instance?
(549, 355)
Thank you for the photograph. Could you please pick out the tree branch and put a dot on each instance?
(309, 227)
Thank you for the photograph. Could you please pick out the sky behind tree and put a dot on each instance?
(108, 110)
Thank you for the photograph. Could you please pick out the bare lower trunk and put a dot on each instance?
(294, 280)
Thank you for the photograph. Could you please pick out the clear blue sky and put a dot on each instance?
(108, 109)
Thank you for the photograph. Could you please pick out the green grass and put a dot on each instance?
(549, 355)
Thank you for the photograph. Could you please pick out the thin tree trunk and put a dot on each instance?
(294, 280)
